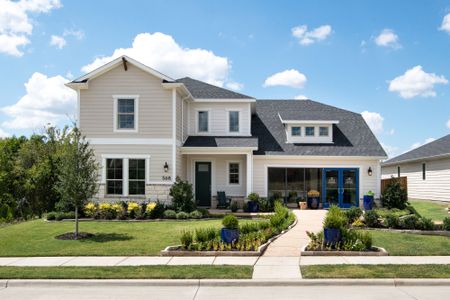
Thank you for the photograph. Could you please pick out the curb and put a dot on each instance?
(222, 283)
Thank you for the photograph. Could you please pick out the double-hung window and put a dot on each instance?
(203, 125)
(136, 177)
(114, 176)
(233, 119)
(323, 131)
(233, 173)
(126, 114)
(296, 131)
(309, 131)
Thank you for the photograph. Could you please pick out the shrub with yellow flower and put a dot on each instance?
(151, 206)
(133, 209)
(117, 207)
(90, 209)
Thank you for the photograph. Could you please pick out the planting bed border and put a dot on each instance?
(377, 251)
(410, 231)
(175, 250)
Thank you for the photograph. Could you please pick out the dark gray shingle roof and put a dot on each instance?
(436, 148)
(220, 141)
(352, 136)
(203, 90)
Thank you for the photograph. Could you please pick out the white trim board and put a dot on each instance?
(129, 141)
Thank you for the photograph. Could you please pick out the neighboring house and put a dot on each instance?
(147, 129)
(427, 169)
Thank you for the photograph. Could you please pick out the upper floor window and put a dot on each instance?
(233, 173)
(114, 176)
(296, 131)
(203, 125)
(323, 131)
(233, 121)
(125, 113)
(309, 131)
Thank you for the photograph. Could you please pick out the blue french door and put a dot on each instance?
(340, 186)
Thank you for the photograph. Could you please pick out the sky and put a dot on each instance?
(388, 60)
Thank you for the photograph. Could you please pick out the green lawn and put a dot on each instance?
(397, 243)
(37, 238)
(430, 209)
(140, 272)
(376, 271)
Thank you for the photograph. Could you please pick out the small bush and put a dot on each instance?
(263, 225)
(266, 204)
(106, 211)
(371, 218)
(204, 211)
(51, 216)
(158, 211)
(187, 239)
(230, 222)
(392, 221)
(182, 215)
(133, 209)
(249, 227)
(90, 210)
(253, 197)
(410, 222)
(358, 223)
(64, 216)
(426, 224)
(353, 213)
(195, 214)
(446, 223)
(394, 196)
(6, 213)
(170, 214)
(335, 218)
(203, 235)
(234, 206)
(182, 195)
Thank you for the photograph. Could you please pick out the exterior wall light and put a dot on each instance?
(369, 171)
(166, 167)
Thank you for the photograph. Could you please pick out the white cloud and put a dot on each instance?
(291, 78)
(3, 133)
(446, 24)
(76, 33)
(418, 144)
(161, 52)
(306, 37)
(301, 97)
(391, 151)
(416, 82)
(448, 124)
(234, 85)
(374, 120)
(57, 41)
(387, 38)
(15, 25)
(47, 100)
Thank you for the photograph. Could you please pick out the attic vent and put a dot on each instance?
(124, 61)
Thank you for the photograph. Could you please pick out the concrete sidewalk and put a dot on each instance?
(374, 260)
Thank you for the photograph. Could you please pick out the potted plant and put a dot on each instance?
(253, 205)
(334, 221)
(313, 199)
(230, 231)
(368, 200)
(302, 204)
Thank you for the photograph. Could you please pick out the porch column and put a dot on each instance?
(249, 173)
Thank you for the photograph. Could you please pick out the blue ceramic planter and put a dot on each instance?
(253, 206)
(368, 202)
(313, 202)
(229, 235)
(331, 235)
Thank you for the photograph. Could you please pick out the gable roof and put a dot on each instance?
(203, 90)
(437, 148)
(351, 136)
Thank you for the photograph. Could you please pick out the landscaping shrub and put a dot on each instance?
(158, 211)
(90, 210)
(182, 215)
(132, 209)
(392, 221)
(263, 225)
(253, 197)
(170, 214)
(64, 216)
(202, 235)
(196, 214)
(249, 227)
(426, 224)
(355, 241)
(6, 213)
(353, 213)
(335, 218)
(234, 206)
(204, 211)
(266, 204)
(409, 222)
(230, 222)
(187, 239)
(106, 211)
(245, 207)
(51, 216)
(394, 196)
(446, 223)
(358, 223)
(371, 218)
(182, 196)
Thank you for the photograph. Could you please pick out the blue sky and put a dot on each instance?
(389, 59)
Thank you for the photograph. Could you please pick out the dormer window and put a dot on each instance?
(309, 131)
(324, 131)
(296, 131)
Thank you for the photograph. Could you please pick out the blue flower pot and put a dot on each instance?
(229, 235)
(313, 202)
(253, 206)
(331, 236)
(368, 202)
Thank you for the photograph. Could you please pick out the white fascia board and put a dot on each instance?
(217, 150)
(318, 157)
(129, 141)
(77, 85)
(425, 158)
(243, 100)
(178, 85)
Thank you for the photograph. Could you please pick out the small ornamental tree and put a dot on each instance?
(394, 196)
(78, 173)
(182, 196)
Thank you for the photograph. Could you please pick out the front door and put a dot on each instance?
(340, 187)
(203, 183)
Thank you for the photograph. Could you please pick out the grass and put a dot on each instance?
(140, 272)
(376, 271)
(37, 238)
(430, 209)
(403, 244)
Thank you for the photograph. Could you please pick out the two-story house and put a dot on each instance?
(147, 129)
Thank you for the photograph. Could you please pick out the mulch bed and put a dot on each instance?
(71, 236)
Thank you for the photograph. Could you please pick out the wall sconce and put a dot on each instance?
(369, 171)
(166, 167)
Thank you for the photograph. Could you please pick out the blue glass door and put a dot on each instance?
(340, 187)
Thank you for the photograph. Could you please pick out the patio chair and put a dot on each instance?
(223, 200)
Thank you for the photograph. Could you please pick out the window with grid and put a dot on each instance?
(202, 121)
(296, 131)
(234, 121)
(233, 173)
(136, 177)
(114, 176)
(126, 114)
(323, 131)
(309, 131)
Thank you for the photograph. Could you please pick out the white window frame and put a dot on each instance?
(116, 111)
(125, 158)
(239, 111)
(294, 136)
(307, 135)
(197, 123)
(239, 172)
(328, 131)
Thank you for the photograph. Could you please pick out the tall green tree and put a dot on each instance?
(78, 172)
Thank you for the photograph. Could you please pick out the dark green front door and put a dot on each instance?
(203, 183)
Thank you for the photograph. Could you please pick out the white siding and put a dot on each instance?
(218, 118)
(436, 186)
(366, 182)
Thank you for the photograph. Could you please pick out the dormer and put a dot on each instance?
(308, 131)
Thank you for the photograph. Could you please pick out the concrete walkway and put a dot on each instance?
(374, 260)
(282, 258)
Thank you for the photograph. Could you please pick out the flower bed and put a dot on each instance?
(252, 239)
